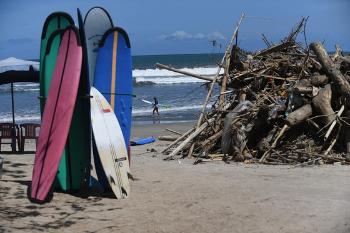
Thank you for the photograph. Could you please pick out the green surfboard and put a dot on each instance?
(74, 165)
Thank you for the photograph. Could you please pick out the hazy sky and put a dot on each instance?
(181, 26)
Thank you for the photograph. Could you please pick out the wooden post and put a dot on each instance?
(228, 49)
(224, 82)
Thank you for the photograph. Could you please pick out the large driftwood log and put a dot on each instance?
(161, 66)
(318, 80)
(336, 76)
(294, 118)
(167, 138)
(322, 104)
(300, 115)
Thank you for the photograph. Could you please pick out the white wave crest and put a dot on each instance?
(21, 119)
(168, 80)
(146, 111)
(21, 87)
(205, 71)
(160, 76)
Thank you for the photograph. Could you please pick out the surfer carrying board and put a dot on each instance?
(155, 106)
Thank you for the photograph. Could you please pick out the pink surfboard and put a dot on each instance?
(57, 114)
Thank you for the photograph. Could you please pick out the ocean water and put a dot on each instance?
(180, 97)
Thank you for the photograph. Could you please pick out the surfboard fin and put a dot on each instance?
(131, 177)
(125, 194)
(111, 179)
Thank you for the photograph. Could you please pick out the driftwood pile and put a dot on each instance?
(286, 104)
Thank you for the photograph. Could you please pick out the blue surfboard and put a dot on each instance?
(142, 141)
(113, 76)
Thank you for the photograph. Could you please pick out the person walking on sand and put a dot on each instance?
(155, 106)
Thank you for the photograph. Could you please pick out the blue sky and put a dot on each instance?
(182, 26)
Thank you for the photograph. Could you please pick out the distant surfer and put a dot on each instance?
(155, 106)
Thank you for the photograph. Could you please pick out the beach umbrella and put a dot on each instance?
(13, 70)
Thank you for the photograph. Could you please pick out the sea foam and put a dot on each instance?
(160, 76)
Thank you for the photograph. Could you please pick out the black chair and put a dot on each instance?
(7, 132)
(29, 131)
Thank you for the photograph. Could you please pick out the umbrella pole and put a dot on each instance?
(13, 141)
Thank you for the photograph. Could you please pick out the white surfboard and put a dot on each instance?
(110, 144)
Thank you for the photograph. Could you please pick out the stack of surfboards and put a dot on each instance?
(85, 83)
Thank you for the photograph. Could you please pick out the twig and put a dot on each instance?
(333, 123)
(173, 131)
(189, 139)
(228, 49)
(178, 140)
(332, 144)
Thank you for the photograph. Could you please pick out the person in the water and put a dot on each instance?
(155, 106)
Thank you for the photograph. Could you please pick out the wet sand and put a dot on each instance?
(176, 196)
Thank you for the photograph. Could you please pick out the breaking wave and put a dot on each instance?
(160, 76)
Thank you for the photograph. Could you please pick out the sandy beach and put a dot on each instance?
(177, 196)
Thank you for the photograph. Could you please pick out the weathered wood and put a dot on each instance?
(318, 80)
(345, 59)
(173, 131)
(337, 53)
(322, 104)
(329, 131)
(332, 144)
(242, 96)
(233, 138)
(212, 139)
(300, 115)
(275, 77)
(213, 156)
(167, 138)
(283, 77)
(223, 90)
(189, 139)
(313, 91)
(224, 82)
(336, 76)
(218, 71)
(274, 48)
(298, 54)
(190, 151)
(228, 49)
(178, 140)
(294, 118)
(161, 66)
(280, 134)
